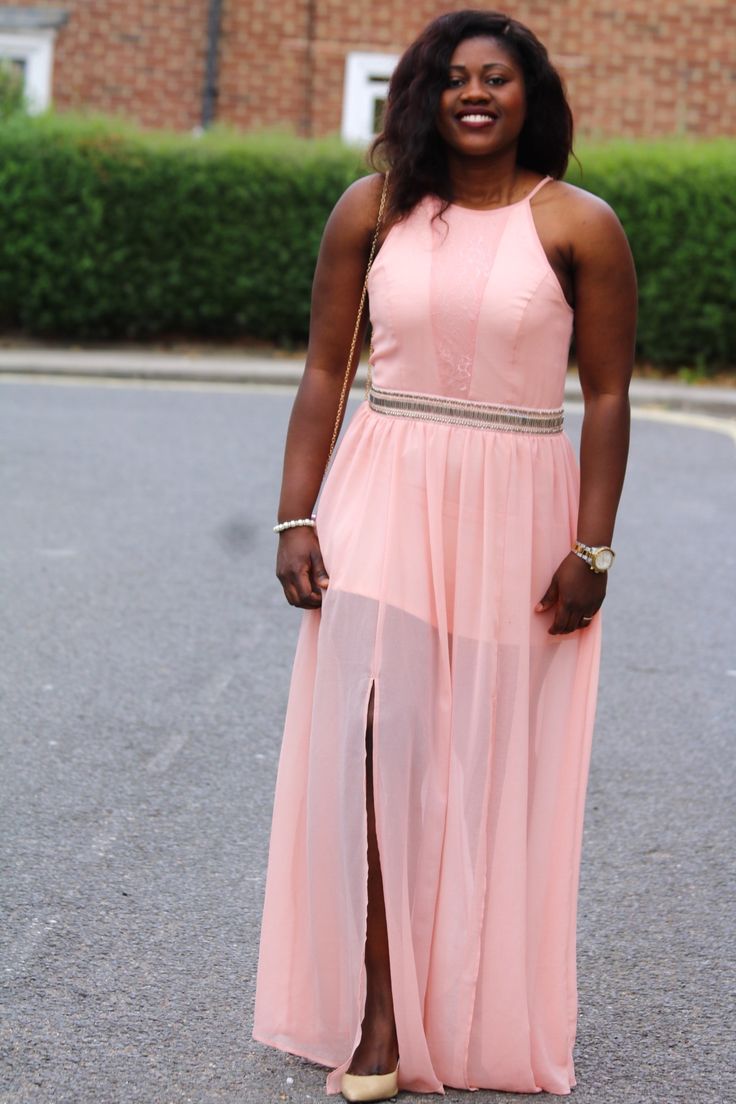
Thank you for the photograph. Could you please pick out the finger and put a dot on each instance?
(320, 578)
(574, 621)
(290, 594)
(301, 581)
(549, 598)
(297, 585)
(563, 622)
(287, 580)
(584, 620)
(310, 602)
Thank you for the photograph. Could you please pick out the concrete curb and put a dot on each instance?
(218, 368)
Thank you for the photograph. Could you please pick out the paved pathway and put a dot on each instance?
(144, 666)
(210, 366)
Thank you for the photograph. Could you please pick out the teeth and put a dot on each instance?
(476, 118)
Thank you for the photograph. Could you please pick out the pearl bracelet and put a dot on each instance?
(292, 524)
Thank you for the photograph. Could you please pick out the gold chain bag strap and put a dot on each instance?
(356, 331)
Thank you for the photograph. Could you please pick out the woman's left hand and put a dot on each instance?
(576, 594)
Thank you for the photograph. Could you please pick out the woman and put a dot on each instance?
(419, 922)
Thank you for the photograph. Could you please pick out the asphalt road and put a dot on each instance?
(144, 661)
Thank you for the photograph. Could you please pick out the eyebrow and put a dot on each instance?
(488, 65)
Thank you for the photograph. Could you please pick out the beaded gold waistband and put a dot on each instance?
(467, 412)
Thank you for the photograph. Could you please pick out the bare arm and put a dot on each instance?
(605, 325)
(336, 291)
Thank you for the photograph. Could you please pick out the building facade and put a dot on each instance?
(637, 68)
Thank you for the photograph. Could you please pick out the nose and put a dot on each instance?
(475, 89)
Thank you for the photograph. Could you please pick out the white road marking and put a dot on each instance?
(673, 417)
(725, 425)
(218, 683)
(691, 420)
(209, 694)
(155, 384)
(107, 832)
(28, 942)
(163, 758)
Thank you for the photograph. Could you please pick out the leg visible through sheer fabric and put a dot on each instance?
(377, 1051)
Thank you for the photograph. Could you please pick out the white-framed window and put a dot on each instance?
(366, 86)
(27, 42)
(32, 55)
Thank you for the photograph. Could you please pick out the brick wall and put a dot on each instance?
(632, 68)
(264, 64)
(134, 58)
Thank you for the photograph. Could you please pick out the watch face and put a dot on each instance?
(603, 559)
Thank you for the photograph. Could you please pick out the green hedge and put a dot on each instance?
(107, 232)
(677, 202)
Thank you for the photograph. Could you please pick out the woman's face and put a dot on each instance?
(483, 106)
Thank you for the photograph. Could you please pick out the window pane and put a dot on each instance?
(16, 64)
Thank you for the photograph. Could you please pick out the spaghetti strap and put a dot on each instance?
(537, 187)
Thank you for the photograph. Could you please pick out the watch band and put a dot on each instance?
(591, 555)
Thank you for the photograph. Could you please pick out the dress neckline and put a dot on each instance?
(504, 206)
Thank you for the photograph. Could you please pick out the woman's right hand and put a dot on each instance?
(300, 567)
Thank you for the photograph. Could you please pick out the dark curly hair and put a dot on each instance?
(410, 144)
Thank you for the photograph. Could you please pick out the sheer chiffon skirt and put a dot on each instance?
(439, 540)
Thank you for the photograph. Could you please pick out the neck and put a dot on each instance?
(483, 182)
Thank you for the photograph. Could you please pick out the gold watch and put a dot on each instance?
(598, 559)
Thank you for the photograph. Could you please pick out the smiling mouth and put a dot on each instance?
(477, 118)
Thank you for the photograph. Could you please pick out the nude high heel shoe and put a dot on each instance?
(375, 1086)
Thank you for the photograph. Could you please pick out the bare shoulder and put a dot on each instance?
(366, 189)
(354, 214)
(586, 219)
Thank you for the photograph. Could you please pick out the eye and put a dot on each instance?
(497, 80)
(454, 82)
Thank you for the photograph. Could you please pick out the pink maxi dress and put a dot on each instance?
(439, 539)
